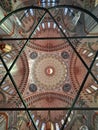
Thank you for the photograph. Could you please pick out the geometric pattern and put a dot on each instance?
(49, 71)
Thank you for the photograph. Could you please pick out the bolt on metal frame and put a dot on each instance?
(50, 38)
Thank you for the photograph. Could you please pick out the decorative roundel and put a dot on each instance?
(33, 87)
(65, 54)
(49, 71)
(33, 55)
(66, 87)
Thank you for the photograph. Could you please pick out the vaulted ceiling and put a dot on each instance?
(48, 65)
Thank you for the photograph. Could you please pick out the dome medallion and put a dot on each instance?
(50, 71)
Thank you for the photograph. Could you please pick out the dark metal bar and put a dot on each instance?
(21, 51)
(23, 15)
(15, 86)
(89, 69)
(85, 78)
(77, 8)
(48, 109)
(79, 91)
(8, 73)
(21, 9)
(58, 6)
(72, 46)
(48, 38)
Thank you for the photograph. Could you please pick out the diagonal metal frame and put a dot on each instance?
(89, 69)
(68, 6)
(71, 6)
(79, 91)
(86, 76)
(24, 15)
(19, 94)
(21, 9)
(8, 72)
(20, 52)
(72, 46)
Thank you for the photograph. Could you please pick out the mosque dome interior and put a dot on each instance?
(49, 65)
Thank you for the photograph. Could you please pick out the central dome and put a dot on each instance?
(49, 71)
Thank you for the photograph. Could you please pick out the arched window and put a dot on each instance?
(37, 122)
(43, 126)
(57, 126)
